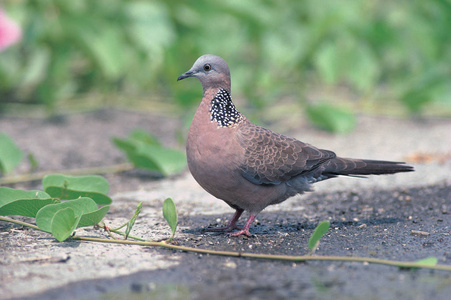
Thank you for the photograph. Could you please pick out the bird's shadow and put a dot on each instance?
(272, 223)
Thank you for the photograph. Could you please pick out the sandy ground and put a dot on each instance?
(371, 217)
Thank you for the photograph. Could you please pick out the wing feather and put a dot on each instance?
(272, 158)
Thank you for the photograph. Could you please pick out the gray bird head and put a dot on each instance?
(211, 70)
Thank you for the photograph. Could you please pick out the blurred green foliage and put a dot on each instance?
(146, 152)
(10, 154)
(331, 118)
(275, 48)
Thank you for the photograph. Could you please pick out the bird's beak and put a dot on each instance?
(186, 75)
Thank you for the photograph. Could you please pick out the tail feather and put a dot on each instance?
(355, 167)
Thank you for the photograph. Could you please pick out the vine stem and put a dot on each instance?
(85, 171)
(164, 244)
(293, 258)
(129, 236)
(37, 228)
(21, 223)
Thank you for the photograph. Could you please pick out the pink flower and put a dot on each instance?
(10, 32)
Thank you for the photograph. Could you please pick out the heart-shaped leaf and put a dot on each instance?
(81, 207)
(23, 203)
(63, 223)
(73, 187)
(94, 217)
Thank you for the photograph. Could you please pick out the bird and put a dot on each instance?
(251, 167)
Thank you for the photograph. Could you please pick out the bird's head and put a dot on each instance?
(211, 70)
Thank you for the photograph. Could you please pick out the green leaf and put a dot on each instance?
(47, 94)
(33, 162)
(331, 118)
(101, 43)
(145, 137)
(364, 69)
(73, 187)
(424, 89)
(124, 145)
(105, 49)
(146, 152)
(320, 230)
(430, 261)
(63, 223)
(151, 25)
(80, 207)
(328, 63)
(36, 70)
(133, 219)
(10, 154)
(23, 203)
(94, 217)
(167, 161)
(170, 214)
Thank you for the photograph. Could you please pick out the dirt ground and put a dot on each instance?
(375, 217)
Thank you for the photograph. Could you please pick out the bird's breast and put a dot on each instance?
(213, 154)
(211, 148)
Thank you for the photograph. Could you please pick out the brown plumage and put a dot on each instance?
(248, 166)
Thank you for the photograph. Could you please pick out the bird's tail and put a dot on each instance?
(356, 167)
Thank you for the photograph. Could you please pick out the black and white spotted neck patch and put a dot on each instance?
(223, 111)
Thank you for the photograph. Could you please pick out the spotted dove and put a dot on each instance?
(248, 166)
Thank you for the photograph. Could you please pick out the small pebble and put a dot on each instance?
(419, 232)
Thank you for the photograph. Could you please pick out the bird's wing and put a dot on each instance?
(272, 158)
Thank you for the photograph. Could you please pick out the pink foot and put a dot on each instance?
(245, 230)
(231, 226)
(242, 232)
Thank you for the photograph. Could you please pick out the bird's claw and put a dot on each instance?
(244, 232)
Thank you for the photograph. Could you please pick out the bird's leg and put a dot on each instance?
(245, 230)
(232, 223)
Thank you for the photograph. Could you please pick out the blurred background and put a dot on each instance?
(328, 58)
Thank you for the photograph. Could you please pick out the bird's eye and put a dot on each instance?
(207, 67)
